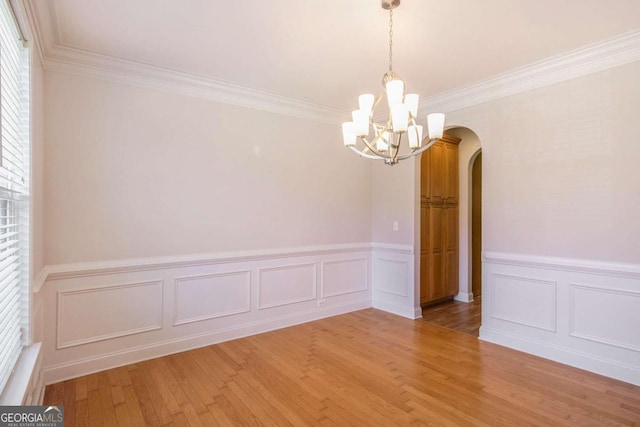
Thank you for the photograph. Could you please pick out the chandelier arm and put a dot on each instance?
(376, 102)
(397, 149)
(365, 155)
(372, 148)
(420, 150)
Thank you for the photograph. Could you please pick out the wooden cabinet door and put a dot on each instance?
(439, 221)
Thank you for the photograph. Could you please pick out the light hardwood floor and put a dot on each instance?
(456, 315)
(367, 368)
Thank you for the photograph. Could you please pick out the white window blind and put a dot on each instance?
(14, 183)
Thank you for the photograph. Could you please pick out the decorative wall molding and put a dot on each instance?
(580, 359)
(579, 312)
(208, 305)
(81, 63)
(393, 247)
(74, 368)
(67, 271)
(393, 280)
(56, 56)
(349, 280)
(391, 276)
(289, 290)
(527, 287)
(631, 271)
(601, 56)
(286, 280)
(66, 318)
(631, 308)
(39, 280)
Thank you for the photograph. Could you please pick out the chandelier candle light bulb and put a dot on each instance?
(415, 136)
(349, 134)
(366, 103)
(361, 122)
(395, 88)
(411, 101)
(435, 122)
(386, 142)
(383, 142)
(400, 117)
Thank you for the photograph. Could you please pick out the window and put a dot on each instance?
(14, 194)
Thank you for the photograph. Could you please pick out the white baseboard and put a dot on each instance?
(567, 356)
(400, 310)
(464, 297)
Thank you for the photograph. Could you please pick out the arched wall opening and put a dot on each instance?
(468, 149)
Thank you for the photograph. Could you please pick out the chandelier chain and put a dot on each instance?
(390, 40)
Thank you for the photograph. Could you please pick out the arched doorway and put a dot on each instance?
(469, 257)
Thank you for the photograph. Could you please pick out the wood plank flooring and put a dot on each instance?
(367, 368)
(456, 315)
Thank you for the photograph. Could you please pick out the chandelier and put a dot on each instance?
(386, 137)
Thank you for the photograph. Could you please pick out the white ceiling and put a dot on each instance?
(327, 52)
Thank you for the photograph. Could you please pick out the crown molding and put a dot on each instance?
(601, 56)
(78, 62)
(55, 56)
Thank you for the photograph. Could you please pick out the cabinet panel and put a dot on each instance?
(451, 173)
(450, 224)
(424, 229)
(436, 173)
(425, 167)
(436, 231)
(425, 273)
(436, 267)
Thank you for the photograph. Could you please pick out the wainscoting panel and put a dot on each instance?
(116, 310)
(526, 301)
(344, 277)
(199, 298)
(285, 285)
(394, 289)
(392, 276)
(581, 313)
(98, 316)
(617, 321)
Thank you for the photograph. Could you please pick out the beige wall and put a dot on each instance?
(560, 175)
(135, 173)
(392, 190)
(560, 172)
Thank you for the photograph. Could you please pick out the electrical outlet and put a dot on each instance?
(396, 226)
(322, 302)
